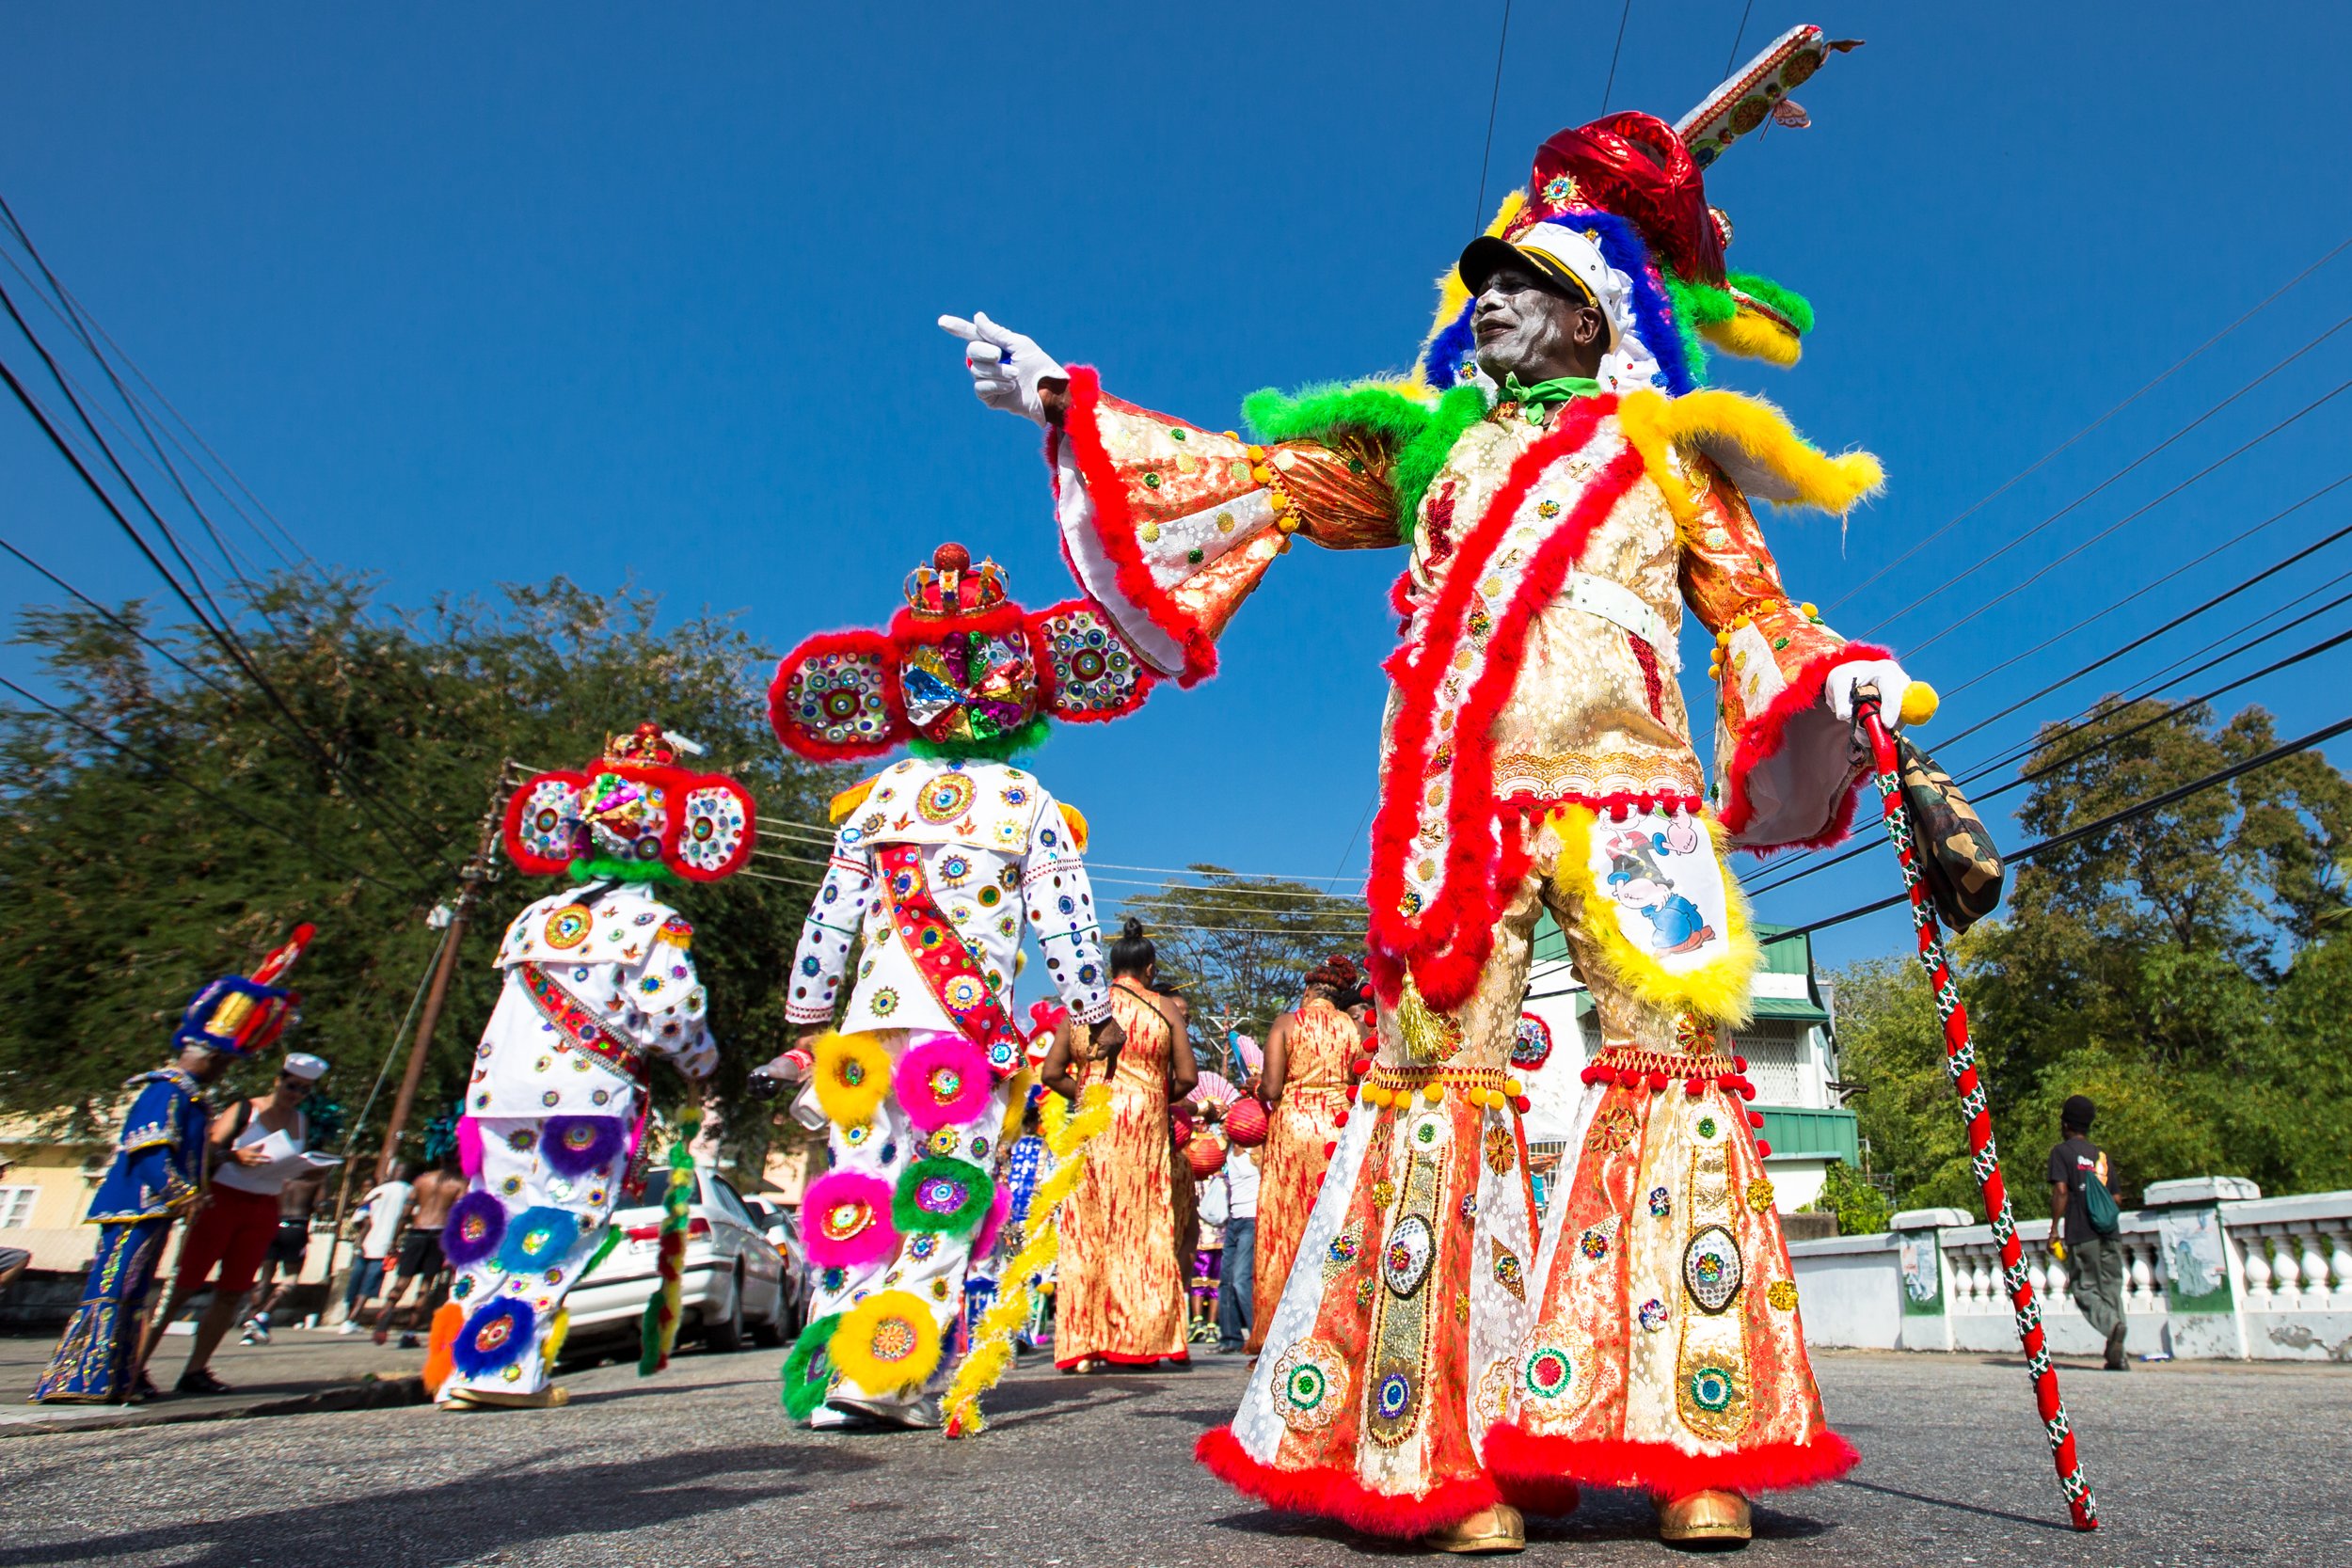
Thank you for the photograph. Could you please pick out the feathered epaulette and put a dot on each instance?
(1754, 444)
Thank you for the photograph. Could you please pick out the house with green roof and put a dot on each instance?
(1790, 1044)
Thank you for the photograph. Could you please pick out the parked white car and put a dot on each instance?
(734, 1284)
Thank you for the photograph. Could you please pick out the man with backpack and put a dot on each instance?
(2084, 1208)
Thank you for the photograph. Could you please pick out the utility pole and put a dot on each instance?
(469, 879)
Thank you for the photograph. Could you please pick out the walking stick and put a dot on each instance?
(1959, 1057)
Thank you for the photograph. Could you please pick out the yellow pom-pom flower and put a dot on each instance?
(852, 1076)
(886, 1342)
(1434, 1093)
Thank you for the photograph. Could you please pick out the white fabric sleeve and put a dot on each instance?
(1060, 902)
(831, 929)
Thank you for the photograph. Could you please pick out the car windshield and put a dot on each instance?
(656, 1190)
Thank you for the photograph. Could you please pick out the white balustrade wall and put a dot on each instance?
(2205, 1275)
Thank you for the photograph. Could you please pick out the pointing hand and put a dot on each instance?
(1006, 367)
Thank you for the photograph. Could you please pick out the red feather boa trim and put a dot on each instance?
(1763, 734)
(1115, 526)
(1447, 946)
(1521, 1458)
(1335, 1494)
(856, 640)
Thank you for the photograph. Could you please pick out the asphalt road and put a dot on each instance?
(2194, 1463)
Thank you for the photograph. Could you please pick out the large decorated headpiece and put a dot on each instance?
(1635, 187)
(239, 1015)
(964, 672)
(633, 813)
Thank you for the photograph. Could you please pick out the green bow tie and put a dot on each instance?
(1560, 389)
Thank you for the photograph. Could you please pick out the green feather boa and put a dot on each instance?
(1419, 434)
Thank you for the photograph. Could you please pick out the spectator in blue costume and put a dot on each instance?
(157, 1176)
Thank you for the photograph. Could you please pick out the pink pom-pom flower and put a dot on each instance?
(999, 1209)
(943, 1081)
(845, 1220)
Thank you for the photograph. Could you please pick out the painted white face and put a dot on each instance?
(1516, 328)
(1525, 329)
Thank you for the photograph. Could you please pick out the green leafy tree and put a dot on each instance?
(1861, 1209)
(1239, 945)
(2183, 969)
(173, 822)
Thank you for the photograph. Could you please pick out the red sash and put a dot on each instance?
(945, 964)
(581, 1027)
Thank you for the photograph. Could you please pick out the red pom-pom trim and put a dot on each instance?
(1763, 1149)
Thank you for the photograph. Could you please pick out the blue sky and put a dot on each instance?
(479, 295)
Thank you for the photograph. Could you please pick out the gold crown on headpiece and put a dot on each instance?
(951, 585)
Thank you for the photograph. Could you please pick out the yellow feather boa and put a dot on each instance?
(991, 1355)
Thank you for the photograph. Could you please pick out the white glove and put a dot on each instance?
(1885, 674)
(1006, 367)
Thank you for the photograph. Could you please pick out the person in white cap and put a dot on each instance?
(1565, 491)
(258, 1146)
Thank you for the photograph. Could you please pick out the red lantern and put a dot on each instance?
(1205, 1155)
(1246, 1123)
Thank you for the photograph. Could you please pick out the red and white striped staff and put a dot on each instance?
(1959, 1053)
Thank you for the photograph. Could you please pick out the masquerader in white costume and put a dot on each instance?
(940, 863)
(598, 981)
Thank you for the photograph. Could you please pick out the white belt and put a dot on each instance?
(1619, 605)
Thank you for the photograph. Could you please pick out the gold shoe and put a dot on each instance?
(1498, 1528)
(1704, 1519)
(491, 1399)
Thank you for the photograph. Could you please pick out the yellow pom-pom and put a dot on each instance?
(1920, 703)
(1432, 1093)
(852, 1075)
(1257, 455)
(1513, 1087)
(1810, 612)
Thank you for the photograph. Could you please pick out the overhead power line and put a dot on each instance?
(1478, 209)
(2186, 705)
(2137, 513)
(1954, 580)
(2186, 566)
(2089, 830)
(2039, 462)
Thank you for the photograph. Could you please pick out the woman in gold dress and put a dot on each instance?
(1121, 1297)
(1306, 1090)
